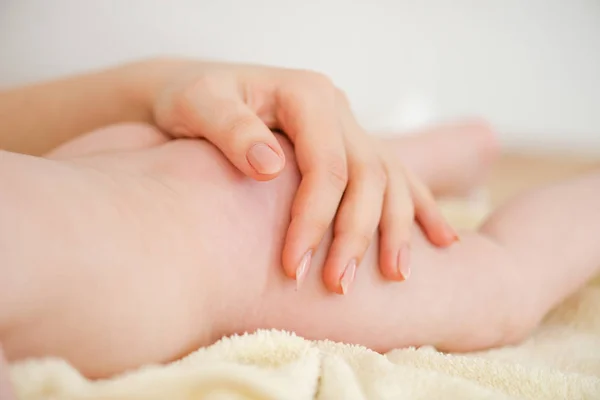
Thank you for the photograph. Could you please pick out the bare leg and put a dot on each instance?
(451, 159)
(490, 289)
(474, 295)
(446, 302)
(434, 296)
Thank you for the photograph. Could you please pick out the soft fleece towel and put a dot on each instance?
(560, 361)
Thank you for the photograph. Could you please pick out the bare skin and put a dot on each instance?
(189, 218)
(235, 107)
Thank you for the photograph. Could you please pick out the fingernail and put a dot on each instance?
(264, 159)
(303, 269)
(404, 261)
(348, 276)
(451, 234)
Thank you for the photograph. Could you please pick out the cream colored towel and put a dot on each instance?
(561, 361)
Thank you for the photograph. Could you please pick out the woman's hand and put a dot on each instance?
(346, 179)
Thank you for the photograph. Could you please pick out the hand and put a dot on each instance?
(345, 176)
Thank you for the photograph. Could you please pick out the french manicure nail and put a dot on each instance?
(303, 269)
(264, 159)
(348, 276)
(404, 261)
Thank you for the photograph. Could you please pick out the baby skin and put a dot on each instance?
(179, 250)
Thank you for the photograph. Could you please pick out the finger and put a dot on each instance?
(360, 210)
(308, 115)
(120, 137)
(397, 220)
(355, 225)
(429, 216)
(219, 114)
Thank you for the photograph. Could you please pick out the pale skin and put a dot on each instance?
(140, 250)
(167, 224)
(233, 106)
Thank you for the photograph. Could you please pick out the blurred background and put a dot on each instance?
(532, 68)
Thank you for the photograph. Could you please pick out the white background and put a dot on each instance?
(531, 67)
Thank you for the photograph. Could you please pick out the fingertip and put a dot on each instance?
(302, 270)
(296, 259)
(333, 272)
(392, 261)
(331, 279)
(389, 268)
(435, 226)
(289, 262)
(447, 234)
(441, 235)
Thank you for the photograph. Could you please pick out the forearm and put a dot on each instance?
(36, 118)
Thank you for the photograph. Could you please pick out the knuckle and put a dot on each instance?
(404, 214)
(209, 82)
(316, 83)
(184, 100)
(374, 172)
(236, 126)
(398, 220)
(357, 237)
(361, 239)
(355, 233)
(378, 174)
(318, 80)
(202, 84)
(336, 170)
(321, 224)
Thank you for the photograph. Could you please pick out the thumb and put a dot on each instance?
(247, 142)
(228, 123)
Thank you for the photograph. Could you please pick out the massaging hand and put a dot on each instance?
(344, 175)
